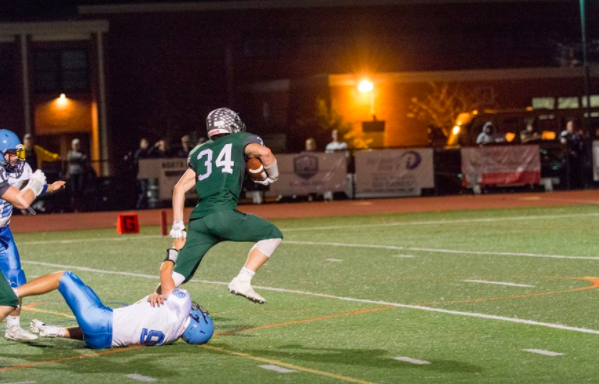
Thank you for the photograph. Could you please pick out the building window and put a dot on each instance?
(64, 70)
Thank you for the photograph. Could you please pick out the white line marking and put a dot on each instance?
(334, 260)
(410, 360)
(441, 222)
(406, 256)
(500, 283)
(138, 377)
(22, 382)
(391, 247)
(276, 368)
(436, 250)
(89, 240)
(399, 305)
(543, 352)
(392, 224)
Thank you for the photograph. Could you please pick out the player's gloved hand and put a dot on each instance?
(266, 181)
(36, 182)
(272, 174)
(178, 229)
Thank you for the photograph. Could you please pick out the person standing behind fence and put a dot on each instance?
(185, 147)
(35, 155)
(332, 147)
(335, 145)
(574, 150)
(140, 154)
(77, 171)
(158, 151)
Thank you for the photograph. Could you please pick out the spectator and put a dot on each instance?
(201, 140)
(77, 173)
(158, 151)
(35, 155)
(141, 153)
(488, 135)
(530, 133)
(310, 145)
(574, 143)
(335, 145)
(185, 147)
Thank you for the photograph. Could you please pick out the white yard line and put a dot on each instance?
(499, 283)
(138, 377)
(351, 299)
(543, 352)
(333, 259)
(373, 246)
(276, 368)
(442, 222)
(393, 224)
(410, 360)
(437, 250)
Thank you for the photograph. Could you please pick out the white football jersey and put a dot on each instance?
(141, 323)
(5, 206)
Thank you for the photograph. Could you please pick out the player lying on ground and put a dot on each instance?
(154, 320)
(11, 155)
(18, 172)
(217, 169)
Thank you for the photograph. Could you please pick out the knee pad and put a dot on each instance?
(267, 246)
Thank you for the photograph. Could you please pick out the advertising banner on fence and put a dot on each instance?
(596, 160)
(394, 172)
(501, 165)
(311, 172)
(167, 171)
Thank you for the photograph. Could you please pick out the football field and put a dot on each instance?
(488, 296)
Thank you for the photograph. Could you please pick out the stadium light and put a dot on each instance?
(365, 86)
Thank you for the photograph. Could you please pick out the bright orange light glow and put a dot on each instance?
(62, 101)
(456, 130)
(510, 136)
(548, 135)
(365, 86)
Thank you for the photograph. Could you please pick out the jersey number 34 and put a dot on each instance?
(224, 161)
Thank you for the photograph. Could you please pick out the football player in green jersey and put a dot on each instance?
(217, 169)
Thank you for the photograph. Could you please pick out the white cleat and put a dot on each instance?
(42, 329)
(18, 333)
(242, 288)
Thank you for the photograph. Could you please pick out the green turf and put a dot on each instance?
(324, 340)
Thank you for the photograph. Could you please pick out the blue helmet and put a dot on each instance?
(199, 327)
(10, 144)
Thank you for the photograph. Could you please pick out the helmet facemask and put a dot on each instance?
(14, 161)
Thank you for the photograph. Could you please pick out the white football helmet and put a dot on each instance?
(223, 121)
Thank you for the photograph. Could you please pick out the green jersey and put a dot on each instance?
(220, 168)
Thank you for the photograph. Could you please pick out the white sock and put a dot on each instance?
(246, 274)
(13, 321)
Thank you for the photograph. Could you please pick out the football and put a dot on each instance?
(256, 169)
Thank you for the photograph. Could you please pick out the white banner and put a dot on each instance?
(167, 171)
(596, 160)
(393, 172)
(501, 165)
(310, 172)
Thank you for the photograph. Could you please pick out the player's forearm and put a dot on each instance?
(167, 284)
(178, 203)
(266, 157)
